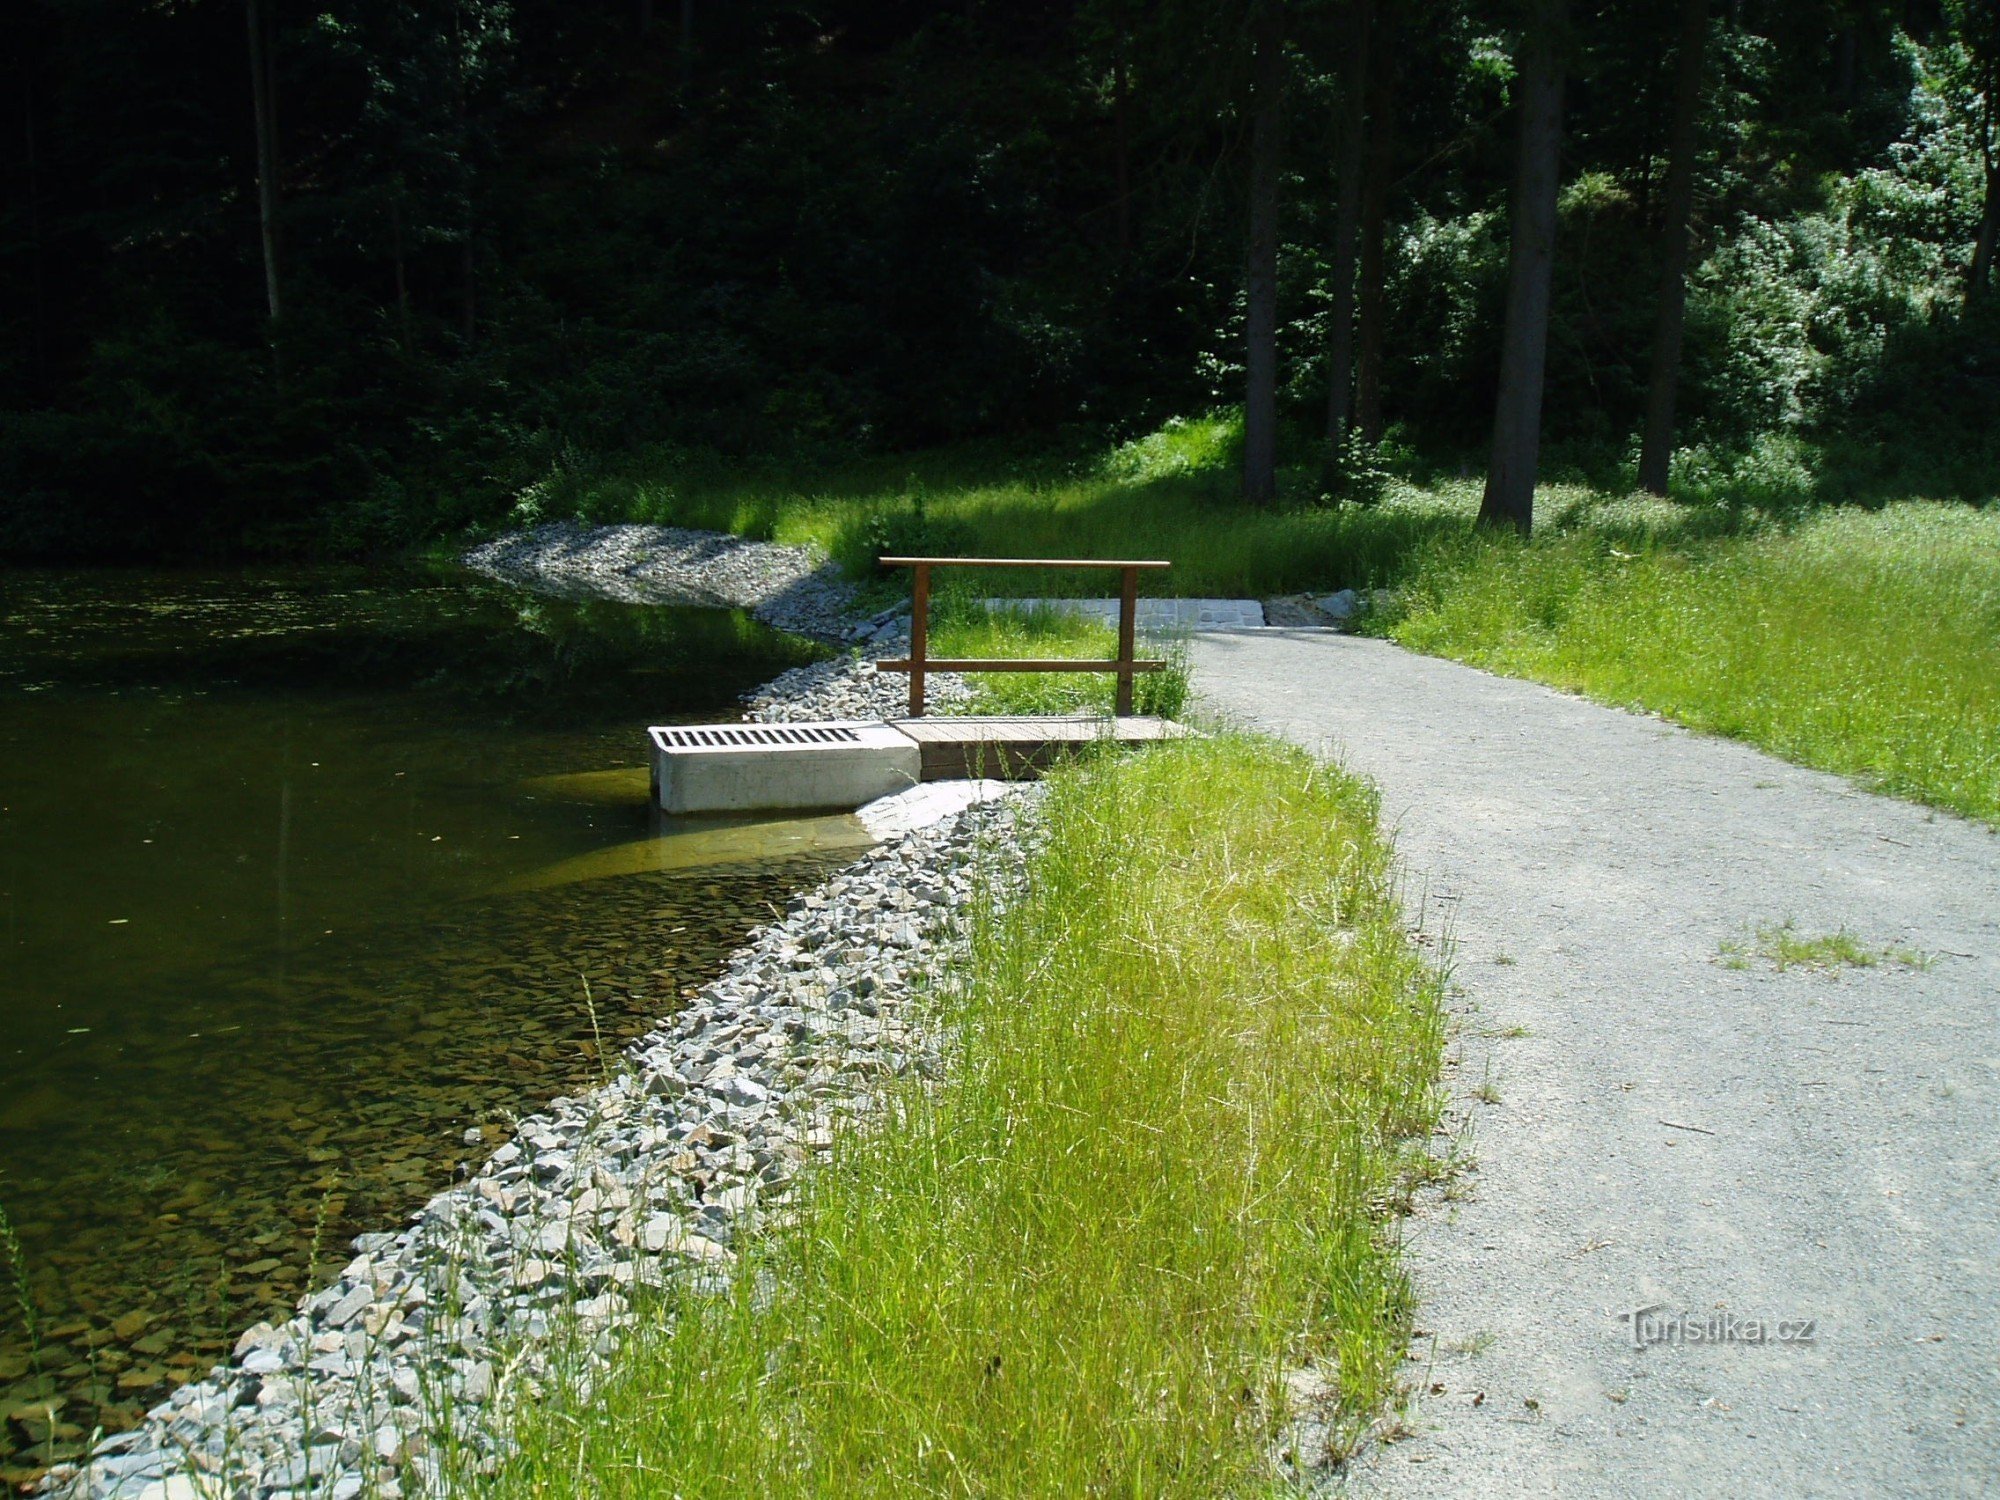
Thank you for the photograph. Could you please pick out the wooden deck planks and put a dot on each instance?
(955, 748)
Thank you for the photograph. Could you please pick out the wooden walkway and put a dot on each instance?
(1021, 747)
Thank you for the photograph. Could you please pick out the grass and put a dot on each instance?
(1194, 1059)
(965, 629)
(1861, 641)
(1172, 495)
(1783, 946)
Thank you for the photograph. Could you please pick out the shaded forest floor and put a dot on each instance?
(1862, 638)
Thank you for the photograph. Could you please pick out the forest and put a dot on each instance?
(282, 280)
(437, 434)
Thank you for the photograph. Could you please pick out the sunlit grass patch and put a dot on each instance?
(1864, 643)
(1192, 1063)
(966, 629)
(1173, 494)
(1784, 946)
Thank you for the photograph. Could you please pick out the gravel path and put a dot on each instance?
(1672, 1133)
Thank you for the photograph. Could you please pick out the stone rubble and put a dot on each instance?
(849, 687)
(1344, 609)
(654, 1178)
(788, 588)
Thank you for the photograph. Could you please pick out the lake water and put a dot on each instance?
(303, 876)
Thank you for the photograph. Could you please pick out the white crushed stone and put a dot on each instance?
(651, 1179)
(790, 588)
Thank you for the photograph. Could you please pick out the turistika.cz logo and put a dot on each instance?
(1651, 1325)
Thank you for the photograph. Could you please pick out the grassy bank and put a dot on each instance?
(965, 629)
(1865, 643)
(1191, 1061)
(1171, 495)
(1858, 640)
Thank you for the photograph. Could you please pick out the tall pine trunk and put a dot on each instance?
(1346, 233)
(1517, 413)
(401, 256)
(264, 105)
(37, 318)
(1656, 449)
(1260, 399)
(1380, 172)
(468, 283)
(1122, 147)
(1980, 273)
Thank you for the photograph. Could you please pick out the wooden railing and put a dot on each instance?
(918, 663)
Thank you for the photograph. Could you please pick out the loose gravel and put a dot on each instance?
(654, 1177)
(849, 687)
(788, 588)
(1681, 1158)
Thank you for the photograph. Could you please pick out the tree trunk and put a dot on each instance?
(1122, 146)
(468, 287)
(1374, 224)
(1260, 399)
(1346, 234)
(38, 322)
(468, 266)
(1981, 271)
(402, 267)
(264, 106)
(1517, 413)
(1656, 449)
(1976, 284)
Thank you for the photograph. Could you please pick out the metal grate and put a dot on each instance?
(736, 736)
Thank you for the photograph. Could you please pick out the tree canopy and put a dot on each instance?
(279, 277)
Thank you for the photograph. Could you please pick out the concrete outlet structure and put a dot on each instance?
(1155, 616)
(701, 768)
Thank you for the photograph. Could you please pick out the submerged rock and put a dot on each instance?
(653, 1178)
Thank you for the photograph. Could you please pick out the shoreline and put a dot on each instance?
(789, 588)
(644, 1180)
(794, 589)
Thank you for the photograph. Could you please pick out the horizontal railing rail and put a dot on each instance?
(919, 663)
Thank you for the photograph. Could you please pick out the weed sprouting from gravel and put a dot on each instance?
(1783, 946)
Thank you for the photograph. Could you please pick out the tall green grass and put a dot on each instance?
(1858, 641)
(964, 629)
(1190, 1060)
(1864, 643)
(1173, 495)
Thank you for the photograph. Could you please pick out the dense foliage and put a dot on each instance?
(512, 241)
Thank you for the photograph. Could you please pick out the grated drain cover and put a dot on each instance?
(734, 736)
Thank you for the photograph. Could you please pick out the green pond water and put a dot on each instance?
(303, 875)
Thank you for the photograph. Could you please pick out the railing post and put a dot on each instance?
(920, 610)
(1128, 632)
(1125, 666)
